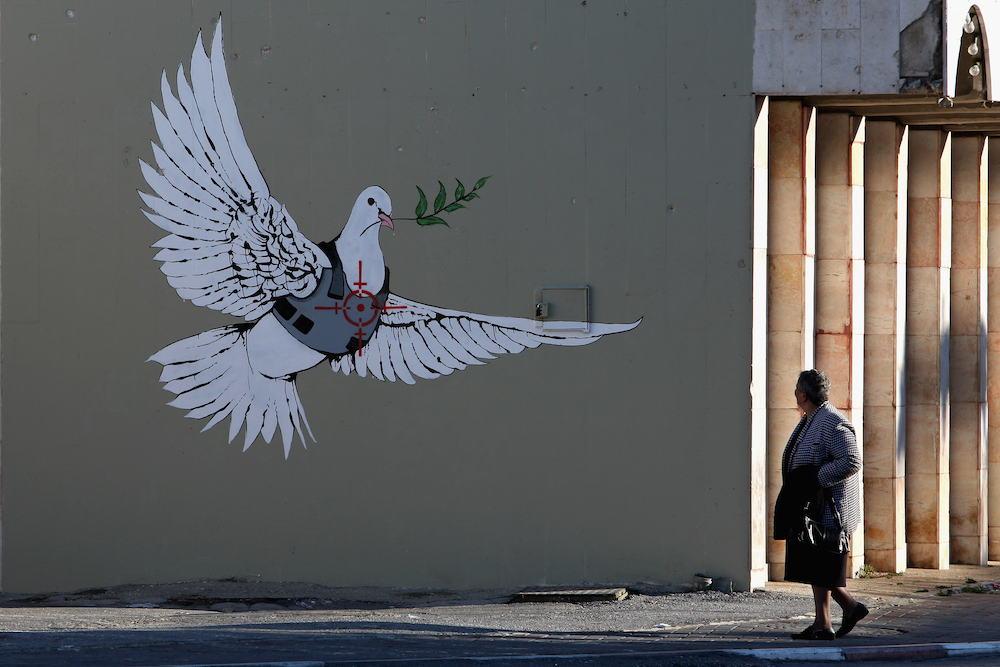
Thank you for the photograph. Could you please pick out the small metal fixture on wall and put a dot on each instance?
(569, 303)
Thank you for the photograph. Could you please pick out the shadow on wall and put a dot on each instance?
(920, 54)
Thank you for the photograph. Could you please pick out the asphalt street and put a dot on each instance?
(913, 618)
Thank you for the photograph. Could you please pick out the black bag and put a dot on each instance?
(834, 540)
(799, 489)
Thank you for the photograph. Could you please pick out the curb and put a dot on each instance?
(859, 653)
(819, 654)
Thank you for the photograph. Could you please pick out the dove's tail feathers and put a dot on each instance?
(212, 377)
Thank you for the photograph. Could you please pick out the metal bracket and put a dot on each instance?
(543, 308)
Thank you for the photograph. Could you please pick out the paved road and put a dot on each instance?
(176, 625)
(983, 661)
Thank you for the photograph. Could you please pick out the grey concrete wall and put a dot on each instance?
(621, 153)
(836, 47)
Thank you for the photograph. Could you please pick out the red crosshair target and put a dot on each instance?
(364, 311)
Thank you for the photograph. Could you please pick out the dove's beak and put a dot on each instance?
(386, 220)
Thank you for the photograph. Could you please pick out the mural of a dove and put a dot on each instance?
(232, 247)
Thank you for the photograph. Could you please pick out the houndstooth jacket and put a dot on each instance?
(827, 440)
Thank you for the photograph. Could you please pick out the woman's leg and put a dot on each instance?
(844, 599)
(854, 611)
(821, 596)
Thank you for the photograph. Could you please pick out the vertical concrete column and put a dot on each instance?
(968, 455)
(928, 311)
(993, 347)
(840, 271)
(791, 230)
(886, 157)
(758, 363)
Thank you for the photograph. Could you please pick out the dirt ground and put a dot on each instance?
(243, 594)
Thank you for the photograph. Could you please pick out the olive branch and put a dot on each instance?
(440, 205)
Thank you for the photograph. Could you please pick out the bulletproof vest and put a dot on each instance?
(333, 319)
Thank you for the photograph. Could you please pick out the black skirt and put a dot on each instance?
(806, 564)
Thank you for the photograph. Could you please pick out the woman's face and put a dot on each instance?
(800, 398)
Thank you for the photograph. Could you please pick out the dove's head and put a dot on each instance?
(371, 211)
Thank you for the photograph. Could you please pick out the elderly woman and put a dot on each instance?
(821, 461)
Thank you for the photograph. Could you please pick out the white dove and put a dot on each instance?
(232, 247)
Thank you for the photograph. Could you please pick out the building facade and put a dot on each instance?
(874, 141)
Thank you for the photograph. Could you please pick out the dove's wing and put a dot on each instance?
(415, 340)
(231, 247)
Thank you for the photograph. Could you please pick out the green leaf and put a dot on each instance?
(431, 220)
(481, 182)
(470, 196)
(422, 204)
(453, 207)
(459, 191)
(440, 199)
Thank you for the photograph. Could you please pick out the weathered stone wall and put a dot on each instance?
(865, 47)
(804, 47)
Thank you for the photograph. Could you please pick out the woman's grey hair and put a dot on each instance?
(816, 386)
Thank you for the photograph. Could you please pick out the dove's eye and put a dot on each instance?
(371, 201)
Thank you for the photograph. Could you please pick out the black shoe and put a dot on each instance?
(813, 633)
(824, 635)
(850, 621)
